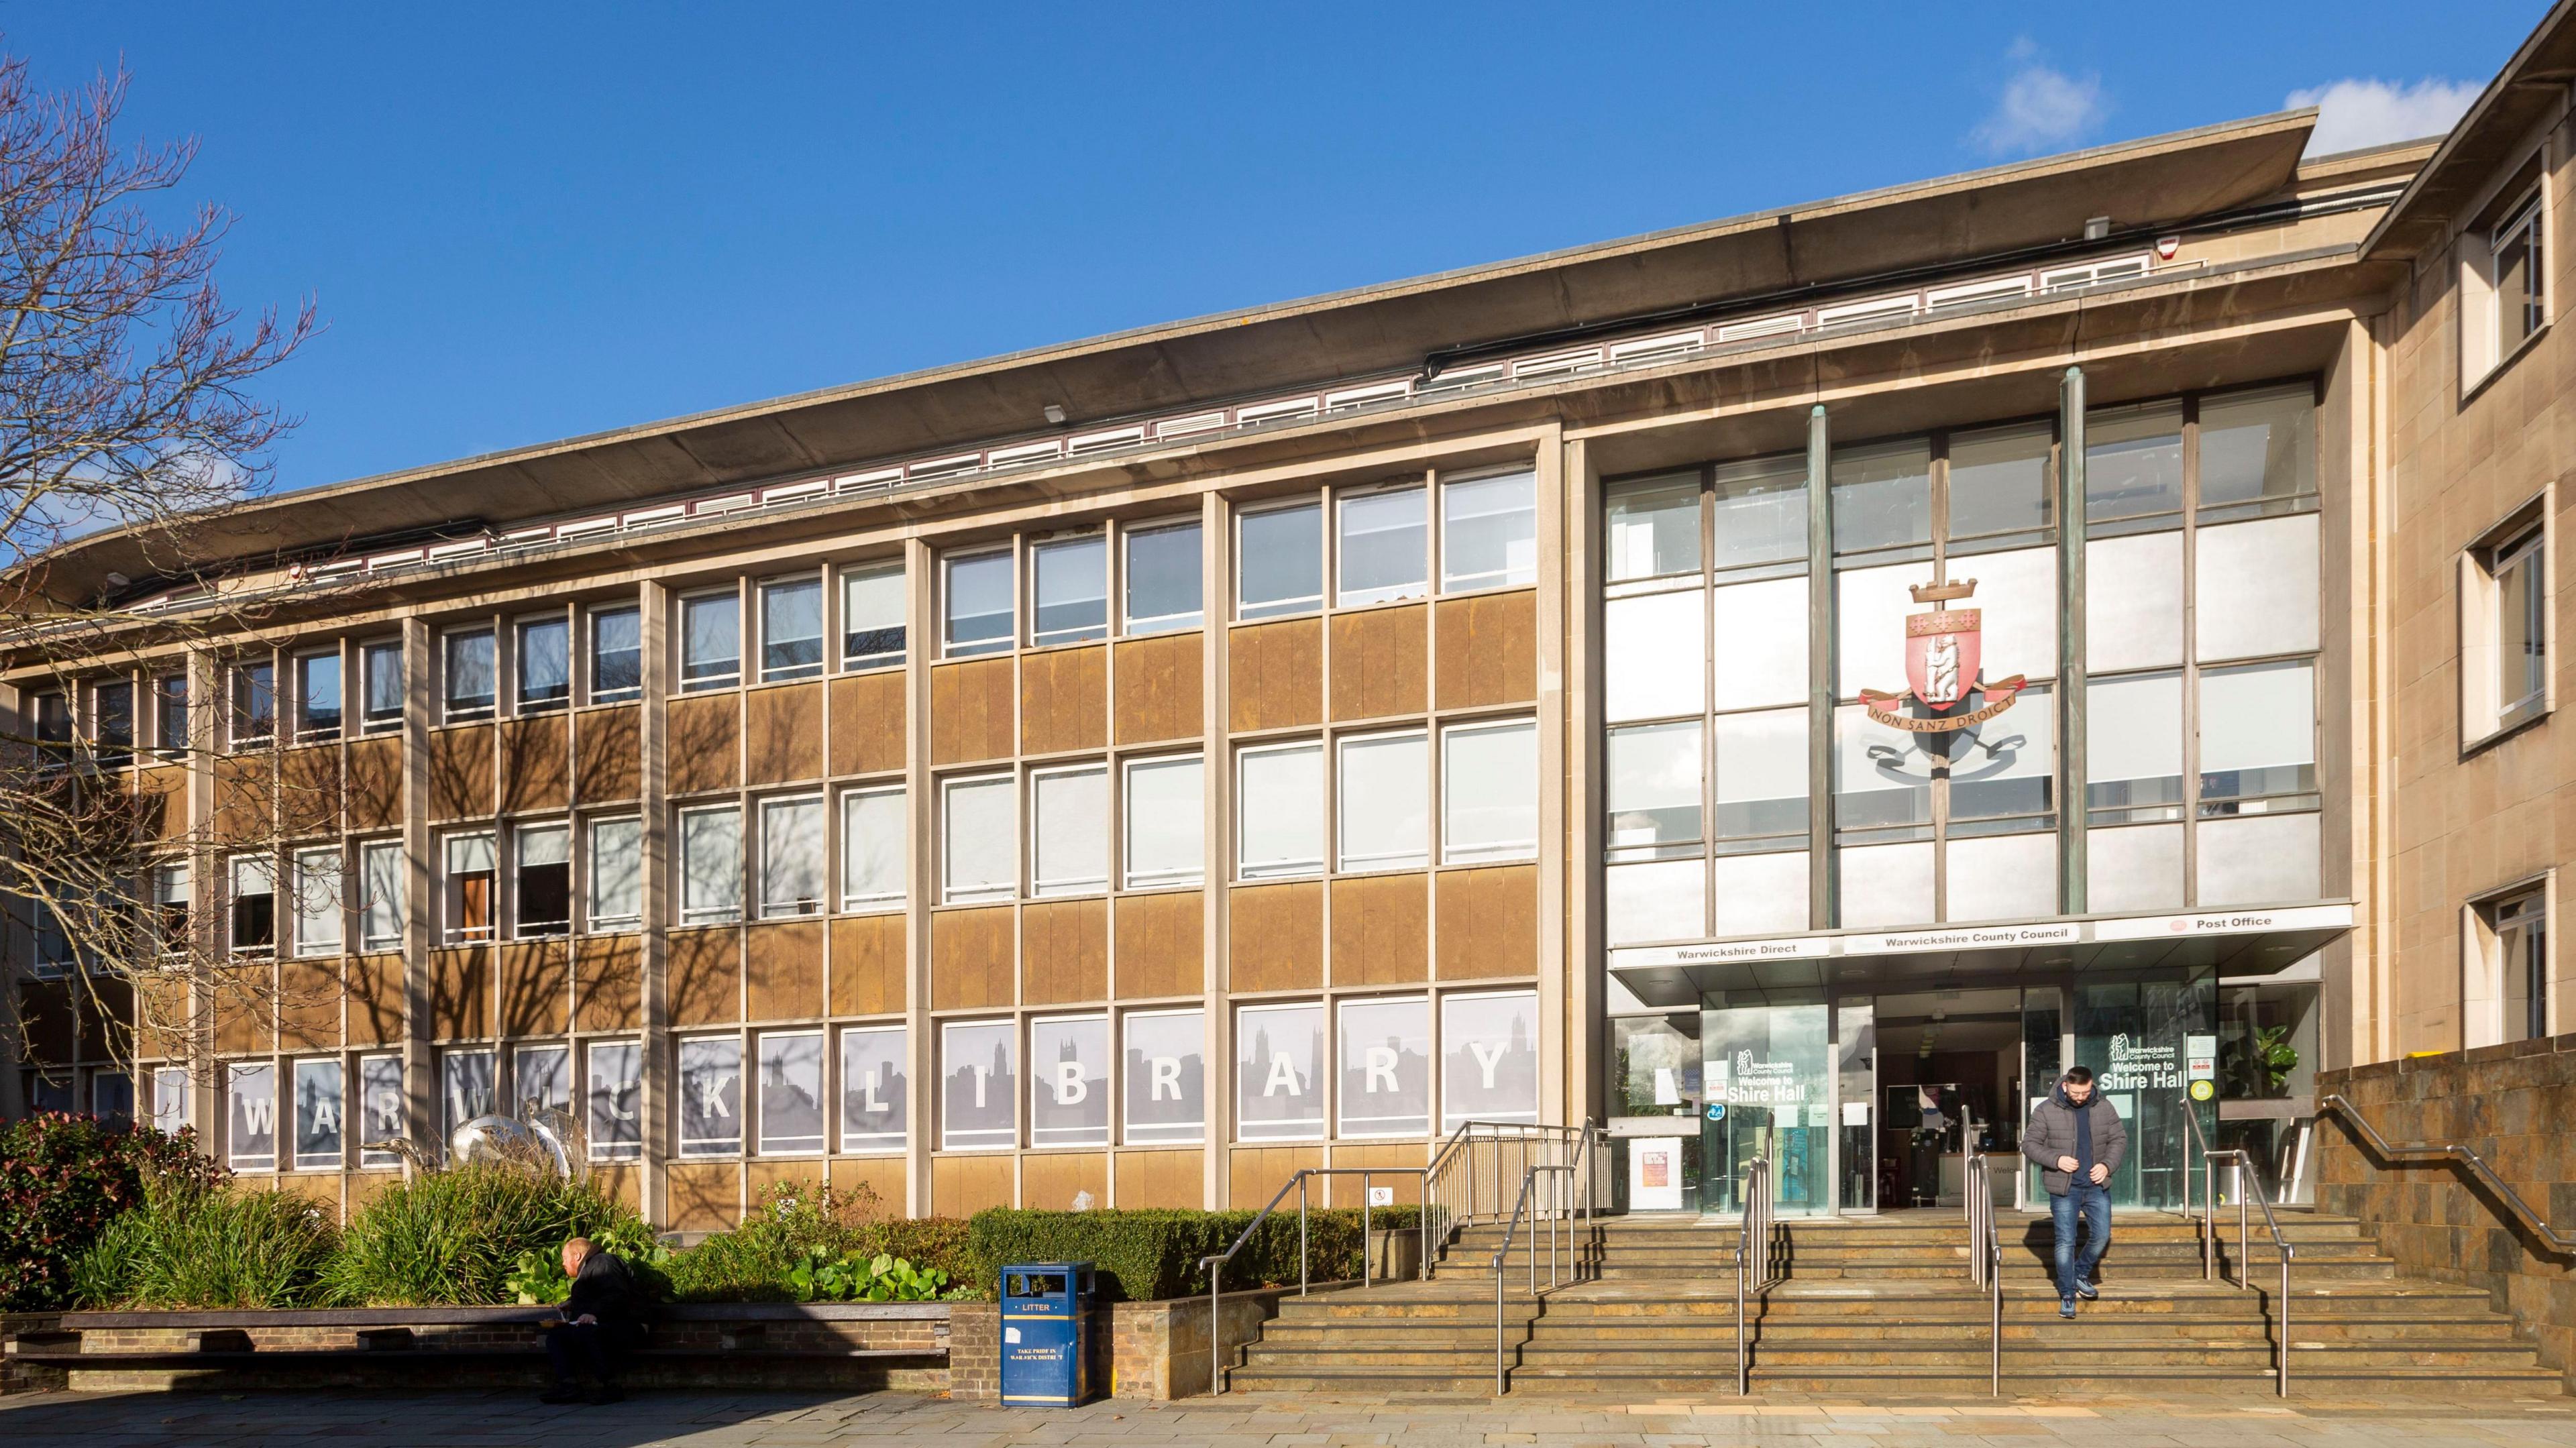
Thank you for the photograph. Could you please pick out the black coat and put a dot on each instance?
(605, 1289)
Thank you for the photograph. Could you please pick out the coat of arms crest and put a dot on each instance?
(1943, 650)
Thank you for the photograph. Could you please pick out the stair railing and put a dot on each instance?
(1454, 1189)
(1986, 1262)
(1529, 1183)
(2247, 1184)
(1296, 1182)
(1753, 1275)
(2194, 1141)
(2386, 1150)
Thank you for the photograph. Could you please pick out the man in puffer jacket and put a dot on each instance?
(2078, 1141)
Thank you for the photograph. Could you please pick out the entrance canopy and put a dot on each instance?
(2256, 941)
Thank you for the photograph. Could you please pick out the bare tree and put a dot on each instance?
(126, 415)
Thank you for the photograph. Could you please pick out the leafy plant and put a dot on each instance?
(463, 1236)
(63, 1179)
(538, 1276)
(193, 1245)
(2259, 1064)
(758, 1261)
(850, 1277)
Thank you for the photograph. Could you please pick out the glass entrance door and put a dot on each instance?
(1765, 1079)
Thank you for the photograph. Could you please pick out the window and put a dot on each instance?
(711, 1096)
(1383, 551)
(1761, 792)
(616, 654)
(2505, 674)
(254, 704)
(251, 1113)
(541, 1078)
(1069, 590)
(2520, 278)
(171, 1091)
(1654, 791)
(1758, 511)
(876, 834)
(2258, 749)
(791, 1092)
(1069, 1081)
(710, 865)
(1999, 484)
(54, 728)
(1279, 1073)
(466, 1089)
(2133, 748)
(317, 696)
(318, 1108)
(545, 880)
(545, 663)
(1651, 527)
(170, 714)
(1279, 561)
(468, 892)
(113, 702)
(1279, 826)
(874, 1101)
(1165, 822)
(170, 905)
(380, 908)
(1882, 496)
(254, 903)
(2133, 462)
(1069, 831)
(1384, 796)
(1489, 792)
(317, 902)
(613, 1096)
(791, 629)
(2258, 452)
(710, 641)
(976, 596)
(111, 1098)
(2012, 783)
(979, 1084)
(469, 674)
(791, 858)
(1166, 1076)
(1488, 1058)
(616, 873)
(2521, 925)
(53, 952)
(872, 616)
(1386, 1067)
(1488, 532)
(380, 681)
(382, 1109)
(1163, 579)
(979, 839)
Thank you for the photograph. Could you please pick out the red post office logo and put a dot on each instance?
(1944, 650)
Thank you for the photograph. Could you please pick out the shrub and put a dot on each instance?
(1153, 1254)
(456, 1237)
(757, 1262)
(191, 1245)
(538, 1275)
(62, 1179)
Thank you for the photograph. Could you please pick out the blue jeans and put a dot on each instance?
(2093, 1204)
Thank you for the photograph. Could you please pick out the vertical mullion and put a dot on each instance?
(2191, 652)
(2073, 867)
(1822, 905)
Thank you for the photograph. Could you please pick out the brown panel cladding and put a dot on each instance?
(1161, 1178)
(1275, 675)
(760, 1177)
(164, 793)
(970, 958)
(309, 790)
(1255, 1172)
(161, 1017)
(308, 1005)
(1488, 650)
(706, 1196)
(623, 1184)
(706, 751)
(1162, 947)
(1345, 1191)
(608, 980)
(460, 992)
(244, 797)
(106, 1020)
(1160, 688)
(1277, 936)
(784, 966)
(375, 1000)
(608, 755)
(245, 1006)
(1053, 1180)
(961, 1186)
(1064, 699)
(1378, 663)
(375, 784)
(460, 772)
(1488, 921)
(785, 733)
(45, 1014)
(867, 965)
(872, 1185)
(706, 976)
(536, 767)
(1381, 930)
(536, 988)
(971, 714)
(1064, 952)
(867, 722)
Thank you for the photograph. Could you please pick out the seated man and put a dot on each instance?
(602, 1317)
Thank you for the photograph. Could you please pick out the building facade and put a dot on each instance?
(1781, 687)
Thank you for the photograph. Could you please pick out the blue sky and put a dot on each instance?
(523, 223)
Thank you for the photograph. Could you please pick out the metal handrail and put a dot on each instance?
(2247, 1183)
(1451, 1174)
(1986, 1261)
(2560, 1243)
(1529, 1181)
(1752, 1247)
(1215, 1264)
(1567, 1196)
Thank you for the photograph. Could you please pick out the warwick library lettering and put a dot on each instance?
(1786, 687)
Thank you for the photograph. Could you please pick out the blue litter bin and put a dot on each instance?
(1046, 1334)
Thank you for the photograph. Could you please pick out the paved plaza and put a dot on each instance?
(806, 1420)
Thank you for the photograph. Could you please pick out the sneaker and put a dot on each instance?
(2087, 1291)
(2066, 1307)
(607, 1393)
(561, 1393)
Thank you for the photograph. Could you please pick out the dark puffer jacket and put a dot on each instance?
(2052, 1135)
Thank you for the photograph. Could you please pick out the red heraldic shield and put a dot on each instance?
(1941, 656)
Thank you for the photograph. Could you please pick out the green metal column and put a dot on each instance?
(1822, 904)
(2070, 643)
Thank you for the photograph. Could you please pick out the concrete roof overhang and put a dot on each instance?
(2532, 86)
(1370, 331)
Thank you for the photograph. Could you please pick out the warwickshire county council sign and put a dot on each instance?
(1942, 651)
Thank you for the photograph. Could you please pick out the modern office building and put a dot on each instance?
(1784, 685)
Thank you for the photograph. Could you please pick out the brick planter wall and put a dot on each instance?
(2515, 1106)
(1156, 1350)
(18, 1377)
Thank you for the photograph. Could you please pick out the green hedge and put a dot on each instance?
(754, 1262)
(1143, 1256)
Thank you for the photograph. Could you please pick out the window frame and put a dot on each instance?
(450, 711)
(592, 654)
(820, 902)
(521, 927)
(336, 943)
(874, 904)
(452, 897)
(1038, 886)
(1129, 877)
(1324, 824)
(369, 652)
(1343, 595)
(707, 1147)
(298, 667)
(760, 595)
(1002, 643)
(369, 850)
(712, 682)
(1008, 783)
(719, 914)
(760, 1139)
(2491, 926)
(241, 693)
(1455, 585)
(882, 659)
(235, 897)
(594, 920)
(520, 701)
(1341, 859)
(166, 701)
(1510, 852)
(1038, 548)
(1304, 604)
(1132, 624)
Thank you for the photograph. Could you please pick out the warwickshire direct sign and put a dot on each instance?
(1984, 937)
